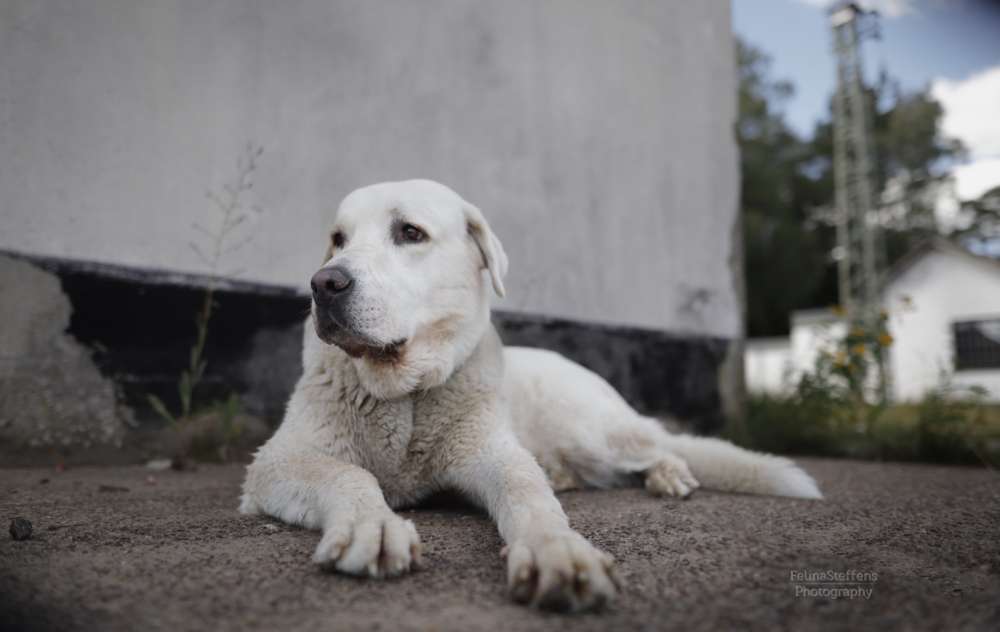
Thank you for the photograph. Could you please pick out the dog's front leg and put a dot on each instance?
(361, 534)
(548, 564)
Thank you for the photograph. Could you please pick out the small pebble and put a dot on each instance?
(159, 465)
(20, 529)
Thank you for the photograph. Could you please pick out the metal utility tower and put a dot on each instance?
(861, 262)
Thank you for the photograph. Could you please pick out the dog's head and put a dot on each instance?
(404, 288)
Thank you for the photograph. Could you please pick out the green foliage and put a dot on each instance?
(161, 409)
(831, 411)
(954, 424)
(218, 241)
(784, 253)
(220, 431)
(228, 411)
(787, 189)
(851, 367)
(943, 427)
(982, 218)
(190, 377)
(911, 165)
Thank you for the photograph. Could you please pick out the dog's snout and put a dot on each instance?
(332, 282)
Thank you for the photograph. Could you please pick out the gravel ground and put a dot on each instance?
(114, 549)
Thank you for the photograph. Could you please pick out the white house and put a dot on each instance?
(944, 316)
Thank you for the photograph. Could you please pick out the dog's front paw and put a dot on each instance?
(378, 545)
(670, 476)
(560, 571)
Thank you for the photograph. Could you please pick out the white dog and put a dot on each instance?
(407, 390)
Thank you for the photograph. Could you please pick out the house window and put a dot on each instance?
(977, 344)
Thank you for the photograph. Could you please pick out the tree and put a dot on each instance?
(911, 162)
(982, 222)
(787, 189)
(785, 253)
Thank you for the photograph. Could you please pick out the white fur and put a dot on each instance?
(420, 291)
(576, 424)
(453, 410)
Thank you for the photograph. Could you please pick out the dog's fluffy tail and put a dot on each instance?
(722, 466)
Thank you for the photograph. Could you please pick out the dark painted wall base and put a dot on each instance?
(140, 327)
(659, 373)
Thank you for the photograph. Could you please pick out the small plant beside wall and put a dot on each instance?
(845, 373)
(835, 410)
(210, 432)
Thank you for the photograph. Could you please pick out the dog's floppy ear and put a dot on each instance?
(494, 258)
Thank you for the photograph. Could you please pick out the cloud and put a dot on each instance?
(888, 8)
(976, 178)
(969, 182)
(972, 115)
(972, 111)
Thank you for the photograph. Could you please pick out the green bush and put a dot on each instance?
(949, 425)
(840, 409)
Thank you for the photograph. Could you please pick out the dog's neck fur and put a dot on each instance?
(429, 359)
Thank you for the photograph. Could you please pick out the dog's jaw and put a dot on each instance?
(425, 361)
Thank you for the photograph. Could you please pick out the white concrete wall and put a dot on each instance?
(814, 331)
(767, 365)
(597, 136)
(941, 288)
(775, 365)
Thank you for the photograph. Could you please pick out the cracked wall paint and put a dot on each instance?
(52, 394)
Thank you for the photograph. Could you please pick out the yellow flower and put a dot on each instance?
(858, 349)
(857, 332)
(840, 359)
(885, 339)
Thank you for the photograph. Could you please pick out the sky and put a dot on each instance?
(949, 46)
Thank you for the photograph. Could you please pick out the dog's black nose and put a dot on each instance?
(329, 283)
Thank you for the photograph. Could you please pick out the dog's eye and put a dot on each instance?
(408, 234)
(412, 233)
(338, 239)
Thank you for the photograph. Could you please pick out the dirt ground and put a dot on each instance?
(116, 550)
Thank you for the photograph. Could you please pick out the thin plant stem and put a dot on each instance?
(233, 214)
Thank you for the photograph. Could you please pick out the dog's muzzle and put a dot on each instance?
(332, 290)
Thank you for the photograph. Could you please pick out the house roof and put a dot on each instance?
(815, 316)
(934, 244)
(822, 315)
